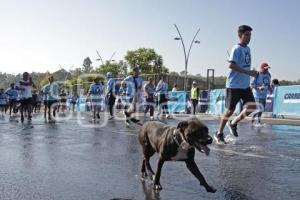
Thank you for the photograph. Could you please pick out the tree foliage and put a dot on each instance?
(147, 59)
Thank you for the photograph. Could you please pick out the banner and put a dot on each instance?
(177, 102)
(269, 103)
(217, 102)
(287, 100)
(203, 101)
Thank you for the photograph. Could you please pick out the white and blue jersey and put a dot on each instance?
(134, 85)
(3, 99)
(262, 81)
(96, 91)
(12, 94)
(52, 91)
(241, 56)
(111, 86)
(162, 88)
(45, 91)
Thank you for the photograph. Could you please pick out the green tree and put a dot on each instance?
(116, 69)
(147, 59)
(87, 65)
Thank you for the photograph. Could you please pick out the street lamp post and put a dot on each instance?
(186, 55)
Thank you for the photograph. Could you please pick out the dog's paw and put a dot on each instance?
(210, 189)
(157, 187)
(151, 176)
(144, 176)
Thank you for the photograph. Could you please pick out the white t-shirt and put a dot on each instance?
(27, 92)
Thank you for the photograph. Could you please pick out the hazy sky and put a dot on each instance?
(41, 35)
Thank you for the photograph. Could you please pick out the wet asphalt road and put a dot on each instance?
(75, 159)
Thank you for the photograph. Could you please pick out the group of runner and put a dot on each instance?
(131, 92)
(21, 98)
(238, 89)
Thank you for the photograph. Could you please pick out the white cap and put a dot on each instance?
(108, 74)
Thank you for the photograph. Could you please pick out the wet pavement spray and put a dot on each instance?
(74, 159)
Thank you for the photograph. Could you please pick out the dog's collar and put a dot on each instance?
(184, 144)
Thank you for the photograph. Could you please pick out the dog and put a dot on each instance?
(174, 144)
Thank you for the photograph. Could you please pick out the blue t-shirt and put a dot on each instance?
(96, 89)
(241, 56)
(111, 86)
(12, 94)
(45, 91)
(162, 88)
(134, 85)
(261, 80)
(53, 91)
(3, 99)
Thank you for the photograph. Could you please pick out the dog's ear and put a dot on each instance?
(182, 125)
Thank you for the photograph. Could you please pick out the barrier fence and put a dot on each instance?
(285, 100)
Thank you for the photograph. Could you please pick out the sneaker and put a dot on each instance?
(151, 118)
(134, 120)
(98, 115)
(111, 118)
(22, 119)
(127, 122)
(219, 137)
(232, 128)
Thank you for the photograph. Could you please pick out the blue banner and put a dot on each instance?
(203, 101)
(217, 102)
(177, 101)
(287, 100)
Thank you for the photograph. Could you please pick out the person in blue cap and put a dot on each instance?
(134, 92)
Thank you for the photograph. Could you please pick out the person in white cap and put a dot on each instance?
(194, 96)
(111, 94)
(134, 88)
(261, 85)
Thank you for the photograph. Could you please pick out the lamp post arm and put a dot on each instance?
(183, 46)
(191, 45)
(100, 57)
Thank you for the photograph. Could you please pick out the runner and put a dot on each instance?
(39, 102)
(52, 90)
(12, 94)
(111, 94)
(34, 101)
(237, 84)
(162, 93)
(3, 101)
(261, 85)
(63, 101)
(149, 89)
(134, 86)
(25, 87)
(45, 90)
(73, 101)
(96, 96)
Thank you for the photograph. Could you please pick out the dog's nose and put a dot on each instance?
(209, 140)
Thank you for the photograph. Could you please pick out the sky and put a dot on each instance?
(44, 35)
